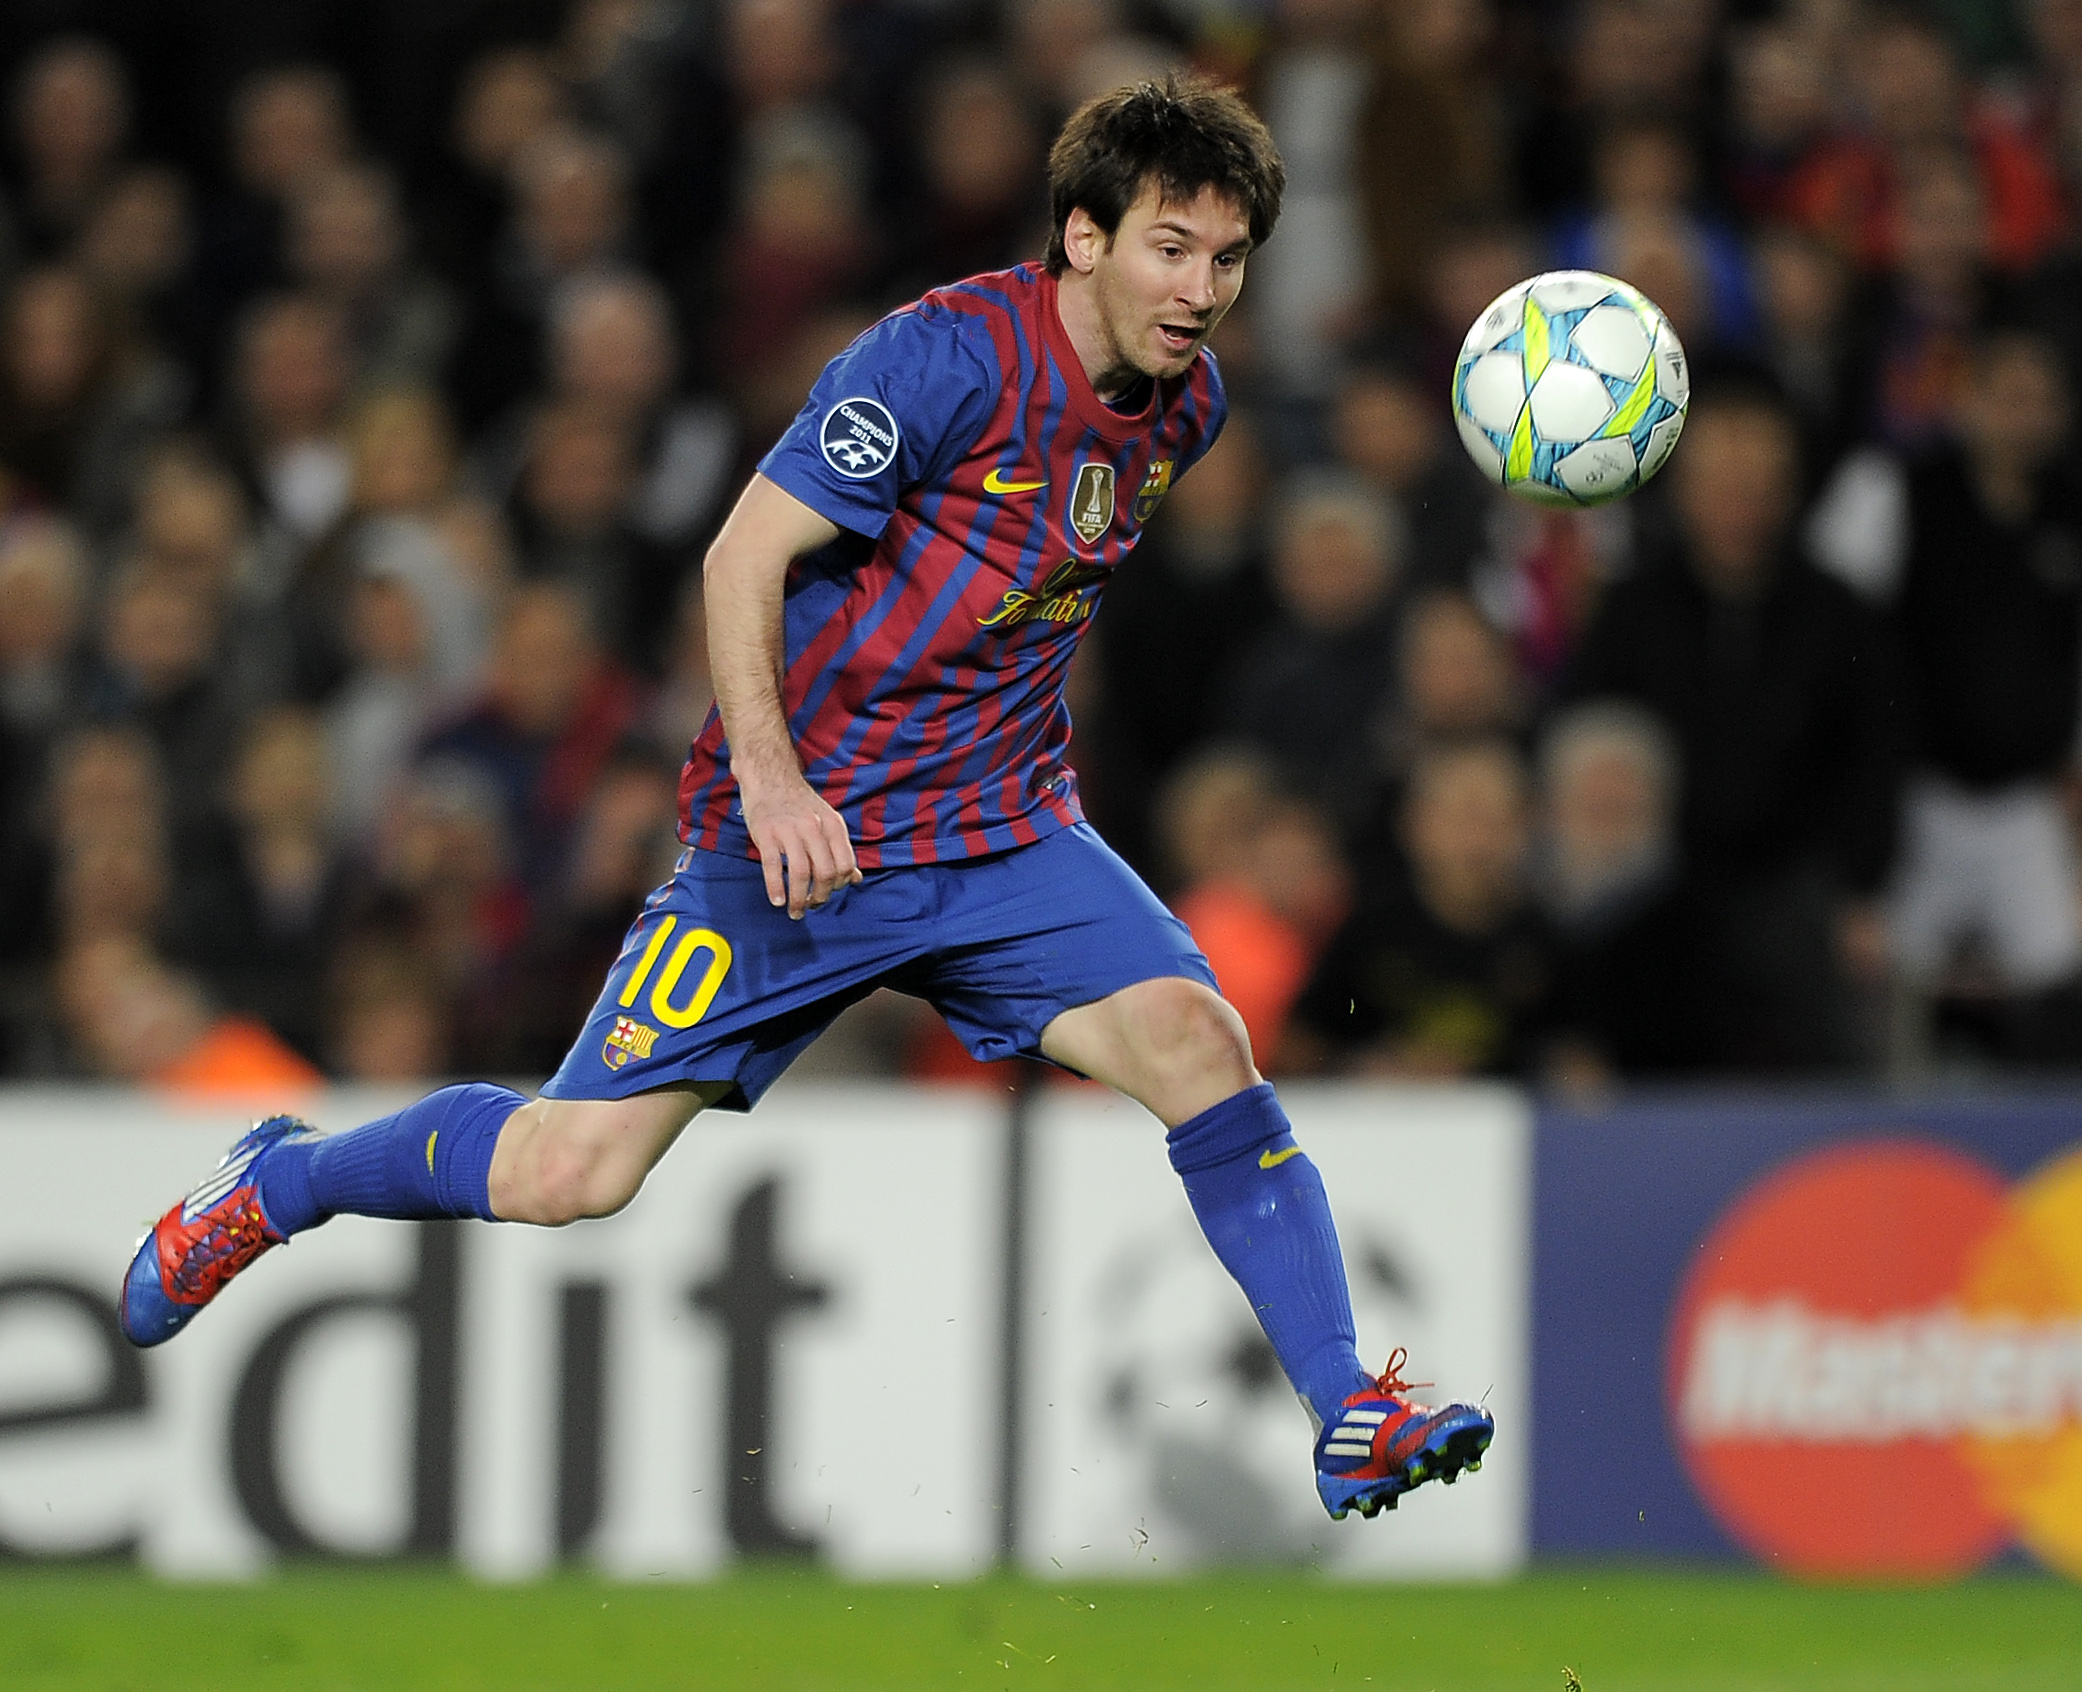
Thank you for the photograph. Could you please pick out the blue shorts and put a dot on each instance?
(715, 984)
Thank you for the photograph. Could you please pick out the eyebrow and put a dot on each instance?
(1194, 235)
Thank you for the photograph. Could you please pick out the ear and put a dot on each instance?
(1083, 241)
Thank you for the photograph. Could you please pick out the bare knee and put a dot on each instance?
(1191, 1050)
(577, 1175)
(564, 1160)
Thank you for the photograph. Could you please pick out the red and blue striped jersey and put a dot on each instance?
(985, 495)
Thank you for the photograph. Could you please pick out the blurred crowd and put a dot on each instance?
(372, 379)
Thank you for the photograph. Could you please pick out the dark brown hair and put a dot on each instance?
(1184, 133)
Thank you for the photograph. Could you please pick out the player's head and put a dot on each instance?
(1158, 192)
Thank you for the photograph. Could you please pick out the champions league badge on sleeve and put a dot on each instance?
(859, 438)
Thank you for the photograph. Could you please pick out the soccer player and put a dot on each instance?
(881, 798)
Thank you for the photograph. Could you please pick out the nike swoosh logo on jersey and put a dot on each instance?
(1273, 1159)
(995, 483)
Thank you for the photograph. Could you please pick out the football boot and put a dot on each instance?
(198, 1245)
(1383, 1443)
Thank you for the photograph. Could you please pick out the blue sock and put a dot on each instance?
(1262, 1206)
(433, 1158)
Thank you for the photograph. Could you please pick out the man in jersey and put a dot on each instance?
(881, 797)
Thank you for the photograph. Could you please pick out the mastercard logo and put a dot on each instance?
(1875, 1365)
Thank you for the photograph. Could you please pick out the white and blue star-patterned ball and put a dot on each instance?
(1571, 389)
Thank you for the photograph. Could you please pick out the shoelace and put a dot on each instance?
(1390, 1380)
(224, 1249)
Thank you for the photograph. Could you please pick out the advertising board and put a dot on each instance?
(1158, 1433)
(787, 1344)
(1841, 1336)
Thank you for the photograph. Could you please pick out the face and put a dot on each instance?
(1168, 276)
(1605, 808)
(1735, 486)
(2015, 412)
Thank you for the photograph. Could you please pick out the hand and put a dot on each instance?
(1862, 943)
(802, 844)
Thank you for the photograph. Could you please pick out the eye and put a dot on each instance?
(1172, 250)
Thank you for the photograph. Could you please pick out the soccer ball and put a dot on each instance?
(1570, 389)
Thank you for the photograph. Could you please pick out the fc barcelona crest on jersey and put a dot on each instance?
(1091, 502)
(627, 1039)
(1154, 487)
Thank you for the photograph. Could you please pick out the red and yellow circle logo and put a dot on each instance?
(1875, 1365)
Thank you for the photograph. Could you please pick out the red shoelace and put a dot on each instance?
(1390, 1380)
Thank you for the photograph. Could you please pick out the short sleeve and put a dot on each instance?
(895, 409)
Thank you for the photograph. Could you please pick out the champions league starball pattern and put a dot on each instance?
(1570, 389)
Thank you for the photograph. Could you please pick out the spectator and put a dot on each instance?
(1390, 429)
(387, 1022)
(80, 405)
(1779, 115)
(72, 119)
(1914, 103)
(1804, 295)
(1645, 175)
(445, 883)
(258, 913)
(979, 157)
(1307, 691)
(291, 393)
(1990, 611)
(800, 243)
(1176, 622)
(622, 847)
(510, 99)
(43, 592)
(1447, 974)
(289, 127)
(613, 351)
(159, 668)
(1777, 686)
(137, 251)
(554, 710)
(1455, 680)
(1634, 992)
(348, 248)
(1262, 885)
(570, 221)
(136, 1019)
(1435, 137)
(1313, 284)
(404, 521)
(681, 703)
(572, 526)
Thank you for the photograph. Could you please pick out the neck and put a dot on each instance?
(1105, 366)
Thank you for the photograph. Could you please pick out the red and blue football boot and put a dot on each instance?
(207, 1238)
(1382, 1444)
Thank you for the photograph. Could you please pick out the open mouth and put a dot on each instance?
(1178, 339)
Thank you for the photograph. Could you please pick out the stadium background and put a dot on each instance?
(371, 379)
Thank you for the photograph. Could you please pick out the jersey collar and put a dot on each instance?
(1093, 412)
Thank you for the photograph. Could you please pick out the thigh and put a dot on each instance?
(1935, 901)
(2028, 871)
(1024, 936)
(714, 986)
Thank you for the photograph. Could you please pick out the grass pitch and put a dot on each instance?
(1618, 1631)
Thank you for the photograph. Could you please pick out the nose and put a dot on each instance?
(1197, 291)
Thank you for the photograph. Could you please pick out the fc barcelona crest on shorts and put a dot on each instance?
(1091, 502)
(1154, 487)
(627, 1039)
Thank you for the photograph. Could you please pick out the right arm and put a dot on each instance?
(802, 841)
